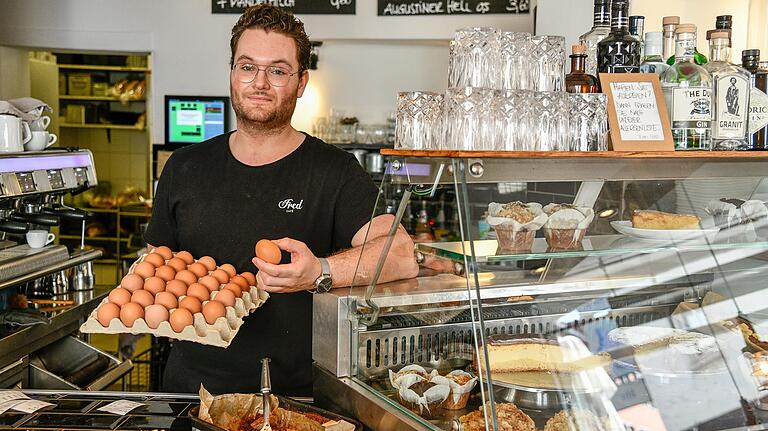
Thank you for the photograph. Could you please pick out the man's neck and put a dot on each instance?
(257, 148)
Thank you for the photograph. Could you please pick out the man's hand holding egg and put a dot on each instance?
(296, 276)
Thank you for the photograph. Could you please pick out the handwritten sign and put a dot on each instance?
(637, 114)
(308, 7)
(453, 7)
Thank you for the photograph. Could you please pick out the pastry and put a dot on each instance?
(422, 397)
(728, 211)
(573, 420)
(509, 355)
(648, 219)
(461, 384)
(566, 225)
(418, 372)
(517, 211)
(515, 224)
(508, 416)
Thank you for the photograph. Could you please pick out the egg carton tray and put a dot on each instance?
(220, 333)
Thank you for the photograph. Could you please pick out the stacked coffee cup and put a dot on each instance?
(41, 138)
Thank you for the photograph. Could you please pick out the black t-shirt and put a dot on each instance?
(209, 203)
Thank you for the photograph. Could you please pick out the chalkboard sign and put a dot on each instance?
(452, 7)
(637, 114)
(309, 7)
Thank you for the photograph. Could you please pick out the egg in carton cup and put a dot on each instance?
(516, 224)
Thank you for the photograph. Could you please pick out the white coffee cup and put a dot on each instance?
(39, 238)
(14, 133)
(41, 124)
(40, 141)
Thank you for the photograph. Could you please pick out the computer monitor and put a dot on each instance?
(193, 119)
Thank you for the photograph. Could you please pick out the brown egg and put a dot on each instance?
(119, 296)
(186, 257)
(132, 282)
(240, 281)
(106, 313)
(268, 251)
(155, 314)
(226, 297)
(249, 277)
(220, 275)
(180, 319)
(167, 300)
(177, 287)
(199, 269)
(177, 264)
(164, 251)
(192, 304)
(154, 285)
(155, 259)
(229, 269)
(165, 272)
(212, 310)
(234, 288)
(144, 270)
(143, 298)
(199, 291)
(208, 261)
(209, 282)
(187, 276)
(130, 312)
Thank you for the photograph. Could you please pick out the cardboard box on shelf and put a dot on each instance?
(79, 84)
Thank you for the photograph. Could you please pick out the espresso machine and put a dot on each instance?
(47, 290)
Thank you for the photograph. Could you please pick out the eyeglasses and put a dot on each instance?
(276, 75)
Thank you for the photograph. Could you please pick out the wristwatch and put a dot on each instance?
(323, 283)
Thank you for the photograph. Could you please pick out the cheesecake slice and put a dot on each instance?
(509, 355)
(664, 221)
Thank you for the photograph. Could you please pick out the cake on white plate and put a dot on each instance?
(515, 354)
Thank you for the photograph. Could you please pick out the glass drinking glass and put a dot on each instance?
(548, 58)
(515, 61)
(600, 121)
(474, 58)
(582, 113)
(469, 121)
(419, 120)
(512, 120)
(550, 121)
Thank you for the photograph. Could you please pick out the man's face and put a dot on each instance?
(259, 102)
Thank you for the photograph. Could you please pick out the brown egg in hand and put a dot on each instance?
(163, 251)
(130, 312)
(107, 312)
(155, 314)
(143, 298)
(212, 310)
(186, 257)
(154, 285)
(119, 296)
(268, 251)
(180, 319)
(192, 304)
(155, 259)
(177, 287)
(132, 282)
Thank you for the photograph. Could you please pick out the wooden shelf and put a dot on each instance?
(104, 68)
(94, 238)
(100, 126)
(578, 154)
(97, 98)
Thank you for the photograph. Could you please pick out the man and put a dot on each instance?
(268, 180)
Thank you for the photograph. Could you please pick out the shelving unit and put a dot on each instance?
(101, 126)
(98, 98)
(104, 68)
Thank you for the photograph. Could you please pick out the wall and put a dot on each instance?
(365, 61)
(14, 73)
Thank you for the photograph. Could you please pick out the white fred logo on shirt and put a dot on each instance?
(289, 206)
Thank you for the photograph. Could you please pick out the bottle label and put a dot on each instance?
(731, 108)
(691, 108)
(758, 110)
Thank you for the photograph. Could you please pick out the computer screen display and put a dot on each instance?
(193, 119)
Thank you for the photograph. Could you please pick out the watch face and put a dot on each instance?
(324, 285)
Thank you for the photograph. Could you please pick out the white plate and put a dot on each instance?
(625, 227)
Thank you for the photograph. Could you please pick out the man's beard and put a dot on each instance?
(262, 121)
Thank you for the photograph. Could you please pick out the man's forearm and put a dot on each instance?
(400, 263)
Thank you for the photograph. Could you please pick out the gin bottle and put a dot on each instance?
(653, 61)
(669, 24)
(600, 30)
(750, 59)
(688, 94)
(730, 96)
(636, 28)
(620, 51)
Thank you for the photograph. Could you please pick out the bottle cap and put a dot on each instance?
(654, 41)
(685, 28)
(723, 21)
(670, 20)
(750, 53)
(719, 35)
(578, 49)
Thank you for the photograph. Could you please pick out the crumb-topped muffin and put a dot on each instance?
(573, 420)
(515, 224)
(566, 225)
(461, 384)
(518, 211)
(508, 416)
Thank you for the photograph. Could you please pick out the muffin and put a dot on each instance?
(418, 373)
(423, 397)
(461, 384)
(515, 224)
(573, 420)
(508, 416)
(566, 225)
(728, 211)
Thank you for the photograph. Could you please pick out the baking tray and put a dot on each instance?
(286, 403)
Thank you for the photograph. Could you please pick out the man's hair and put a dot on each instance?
(272, 19)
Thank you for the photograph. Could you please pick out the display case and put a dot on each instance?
(636, 300)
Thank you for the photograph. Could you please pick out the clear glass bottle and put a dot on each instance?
(722, 23)
(688, 94)
(578, 81)
(601, 28)
(653, 62)
(620, 51)
(669, 24)
(750, 60)
(730, 96)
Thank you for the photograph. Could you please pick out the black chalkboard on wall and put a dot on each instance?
(309, 7)
(452, 7)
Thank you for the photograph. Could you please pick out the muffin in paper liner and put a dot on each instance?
(516, 224)
(729, 212)
(422, 396)
(566, 225)
(395, 378)
(461, 384)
